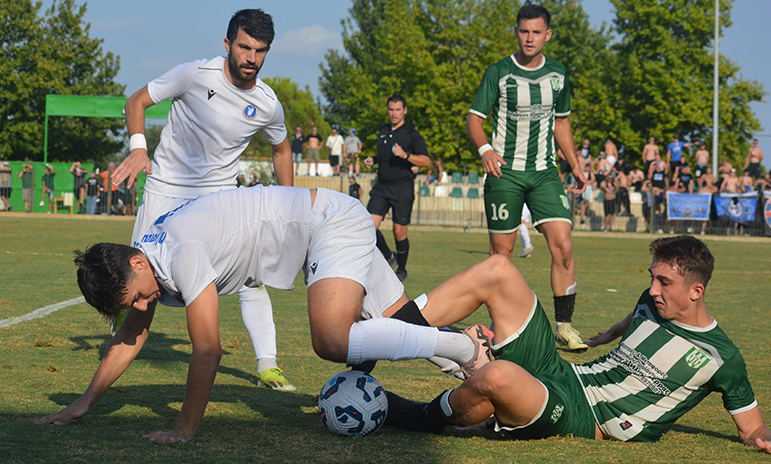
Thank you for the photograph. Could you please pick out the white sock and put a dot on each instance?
(572, 289)
(524, 234)
(445, 365)
(257, 314)
(391, 339)
(455, 346)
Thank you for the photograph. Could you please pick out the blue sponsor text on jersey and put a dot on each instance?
(154, 238)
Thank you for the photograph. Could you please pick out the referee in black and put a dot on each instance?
(399, 148)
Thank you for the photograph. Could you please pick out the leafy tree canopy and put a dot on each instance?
(654, 79)
(53, 54)
(299, 110)
(665, 58)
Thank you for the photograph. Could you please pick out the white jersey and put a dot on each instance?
(210, 123)
(265, 236)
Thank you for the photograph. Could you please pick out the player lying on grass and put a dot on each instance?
(672, 354)
(257, 236)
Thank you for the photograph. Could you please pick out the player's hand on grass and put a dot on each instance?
(74, 411)
(134, 163)
(168, 437)
(763, 445)
(602, 337)
(492, 162)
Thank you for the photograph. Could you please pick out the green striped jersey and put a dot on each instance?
(523, 102)
(661, 370)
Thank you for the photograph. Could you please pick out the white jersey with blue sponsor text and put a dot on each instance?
(265, 236)
(233, 238)
(210, 124)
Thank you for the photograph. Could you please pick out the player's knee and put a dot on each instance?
(562, 250)
(498, 267)
(501, 247)
(491, 379)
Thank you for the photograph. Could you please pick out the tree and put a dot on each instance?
(434, 54)
(666, 53)
(53, 54)
(656, 79)
(299, 110)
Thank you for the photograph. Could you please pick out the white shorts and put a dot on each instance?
(342, 245)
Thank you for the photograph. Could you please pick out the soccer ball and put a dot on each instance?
(353, 404)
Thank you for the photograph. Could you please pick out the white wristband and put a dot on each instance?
(484, 148)
(137, 141)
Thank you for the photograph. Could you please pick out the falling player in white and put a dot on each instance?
(217, 243)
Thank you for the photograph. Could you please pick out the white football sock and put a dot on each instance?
(391, 339)
(396, 340)
(257, 314)
(456, 346)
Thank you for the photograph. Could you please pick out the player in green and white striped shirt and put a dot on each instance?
(672, 354)
(528, 96)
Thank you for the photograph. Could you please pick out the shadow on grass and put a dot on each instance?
(163, 400)
(160, 349)
(242, 424)
(476, 252)
(708, 433)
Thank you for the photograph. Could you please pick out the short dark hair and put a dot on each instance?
(531, 11)
(397, 98)
(104, 273)
(688, 254)
(256, 23)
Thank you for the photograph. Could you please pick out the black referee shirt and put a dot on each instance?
(391, 168)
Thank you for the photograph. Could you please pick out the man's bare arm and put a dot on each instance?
(203, 328)
(137, 161)
(123, 349)
(563, 134)
(607, 336)
(282, 163)
(753, 431)
(491, 161)
(423, 161)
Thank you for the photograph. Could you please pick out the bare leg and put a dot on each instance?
(502, 388)
(333, 306)
(563, 272)
(494, 282)
(503, 244)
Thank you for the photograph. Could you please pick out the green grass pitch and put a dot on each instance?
(46, 363)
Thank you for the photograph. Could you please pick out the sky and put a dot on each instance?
(152, 36)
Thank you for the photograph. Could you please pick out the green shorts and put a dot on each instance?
(541, 190)
(566, 410)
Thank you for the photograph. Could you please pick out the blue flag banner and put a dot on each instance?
(739, 207)
(688, 206)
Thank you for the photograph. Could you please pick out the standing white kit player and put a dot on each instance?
(217, 105)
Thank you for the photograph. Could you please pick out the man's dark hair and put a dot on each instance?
(397, 98)
(104, 272)
(531, 11)
(688, 254)
(256, 23)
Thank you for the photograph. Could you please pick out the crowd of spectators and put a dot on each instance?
(611, 179)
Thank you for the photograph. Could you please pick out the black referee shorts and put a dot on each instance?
(399, 196)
